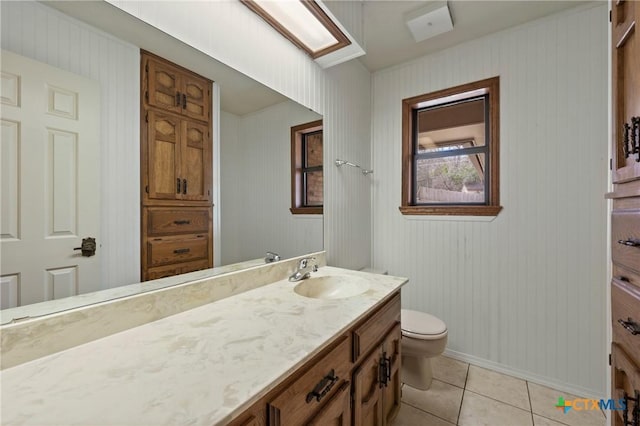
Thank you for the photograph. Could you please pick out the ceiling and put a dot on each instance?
(388, 41)
(386, 37)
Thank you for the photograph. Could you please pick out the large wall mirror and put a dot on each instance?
(100, 43)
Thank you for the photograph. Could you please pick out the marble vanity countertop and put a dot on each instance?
(200, 367)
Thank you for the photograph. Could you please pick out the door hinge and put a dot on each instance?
(146, 95)
(146, 117)
(146, 67)
(610, 163)
(609, 359)
(609, 16)
(146, 188)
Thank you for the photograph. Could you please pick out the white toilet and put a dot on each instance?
(423, 337)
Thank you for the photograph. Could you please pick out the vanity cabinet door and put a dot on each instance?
(367, 392)
(392, 358)
(337, 412)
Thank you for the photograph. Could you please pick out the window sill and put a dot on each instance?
(306, 210)
(451, 210)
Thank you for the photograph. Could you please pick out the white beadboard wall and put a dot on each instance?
(41, 33)
(256, 186)
(524, 293)
(341, 94)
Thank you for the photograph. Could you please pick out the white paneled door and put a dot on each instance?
(50, 182)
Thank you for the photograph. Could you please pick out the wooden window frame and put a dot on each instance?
(490, 87)
(297, 178)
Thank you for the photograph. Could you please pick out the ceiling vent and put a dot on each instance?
(429, 21)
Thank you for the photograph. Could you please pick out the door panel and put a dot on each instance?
(197, 96)
(626, 86)
(163, 86)
(164, 156)
(367, 407)
(50, 181)
(197, 157)
(391, 392)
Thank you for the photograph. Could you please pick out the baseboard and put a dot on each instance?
(525, 375)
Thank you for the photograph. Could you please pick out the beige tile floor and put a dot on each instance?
(466, 395)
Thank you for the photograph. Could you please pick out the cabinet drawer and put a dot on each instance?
(625, 235)
(164, 251)
(625, 306)
(177, 221)
(367, 335)
(296, 404)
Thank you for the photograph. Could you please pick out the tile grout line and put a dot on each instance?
(533, 421)
(464, 390)
(426, 412)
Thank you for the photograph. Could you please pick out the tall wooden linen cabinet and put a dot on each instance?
(176, 163)
(625, 216)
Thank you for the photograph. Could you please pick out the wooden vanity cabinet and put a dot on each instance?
(342, 385)
(377, 383)
(176, 169)
(625, 216)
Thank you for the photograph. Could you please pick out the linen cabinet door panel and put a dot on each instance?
(392, 357)
(196, 162)
(163, 156)
(164, 83)
(626, 89)
(196, 97)
(367, 398)
(337, 412)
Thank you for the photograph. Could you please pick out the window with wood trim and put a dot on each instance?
(450, 151)
(306, 168)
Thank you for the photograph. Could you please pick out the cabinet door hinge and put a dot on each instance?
(609, 359)
(146, 95)
(146, 188)
(146, 67)
(610, 163)
(146, 117)
(609, 16)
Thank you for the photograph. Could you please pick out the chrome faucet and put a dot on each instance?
(271, 257)
(305, 267)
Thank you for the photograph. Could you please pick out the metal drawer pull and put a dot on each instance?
(323, 387)
(182, 222)
(178, 99)
(630, 325)
(630, 242)
(184, 101)
(636, 410)
(182, 251)
(184, 186)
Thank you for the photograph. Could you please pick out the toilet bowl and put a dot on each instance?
(423, 337)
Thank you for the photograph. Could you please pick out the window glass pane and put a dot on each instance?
(313, 188)
(449, 127)
(313, 152)
(454, 179)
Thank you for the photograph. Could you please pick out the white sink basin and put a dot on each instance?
(332, 287)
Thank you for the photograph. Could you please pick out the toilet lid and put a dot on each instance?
(420, 323)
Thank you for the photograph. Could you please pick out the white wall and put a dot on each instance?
(524, 293)
(341, 94)
(38, 32)
(256, 186)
